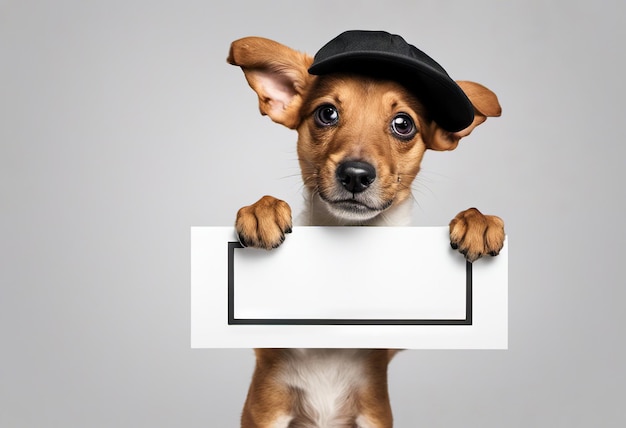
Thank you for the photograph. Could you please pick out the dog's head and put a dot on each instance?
(361, 137)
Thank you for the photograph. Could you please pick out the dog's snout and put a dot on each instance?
(356, 176)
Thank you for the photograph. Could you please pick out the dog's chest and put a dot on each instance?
(327, 384)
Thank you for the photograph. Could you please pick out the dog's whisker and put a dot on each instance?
(289, 176)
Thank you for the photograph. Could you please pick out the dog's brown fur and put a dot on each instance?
(291, 96)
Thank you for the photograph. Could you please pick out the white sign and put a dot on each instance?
(348, 287)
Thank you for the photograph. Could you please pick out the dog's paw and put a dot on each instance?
(264, 223)
(475, 234)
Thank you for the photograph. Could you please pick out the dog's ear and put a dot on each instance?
(278, 74)
(485, 105)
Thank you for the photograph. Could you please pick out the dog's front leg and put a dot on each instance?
(264, 223)
(475, 234)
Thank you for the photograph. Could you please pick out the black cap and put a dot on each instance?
(390, 56)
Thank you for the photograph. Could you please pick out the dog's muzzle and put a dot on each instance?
(354, 197)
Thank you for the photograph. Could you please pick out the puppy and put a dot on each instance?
(366, 109)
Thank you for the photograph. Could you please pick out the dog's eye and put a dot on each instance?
(326, 115)
(403, 126)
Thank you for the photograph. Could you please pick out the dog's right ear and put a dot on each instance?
(278, 74)
(485, 104)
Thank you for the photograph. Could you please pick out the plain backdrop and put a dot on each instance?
(121, 126)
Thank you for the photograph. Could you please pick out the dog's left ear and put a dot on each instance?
(485, 104)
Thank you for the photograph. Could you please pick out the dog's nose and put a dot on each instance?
(356, 176)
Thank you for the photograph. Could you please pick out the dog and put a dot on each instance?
(364, 122)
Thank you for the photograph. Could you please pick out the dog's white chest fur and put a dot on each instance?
(327, 382)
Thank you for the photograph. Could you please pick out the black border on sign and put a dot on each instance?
(340, 321)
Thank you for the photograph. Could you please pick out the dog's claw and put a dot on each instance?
(474, 234)
(242, 240)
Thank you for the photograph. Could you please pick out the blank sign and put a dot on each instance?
(370, 287)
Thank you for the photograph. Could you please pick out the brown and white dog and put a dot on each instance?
(361, 139)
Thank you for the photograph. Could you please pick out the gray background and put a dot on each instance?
(121, 126)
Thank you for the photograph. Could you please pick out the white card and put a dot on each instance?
(348, 287)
